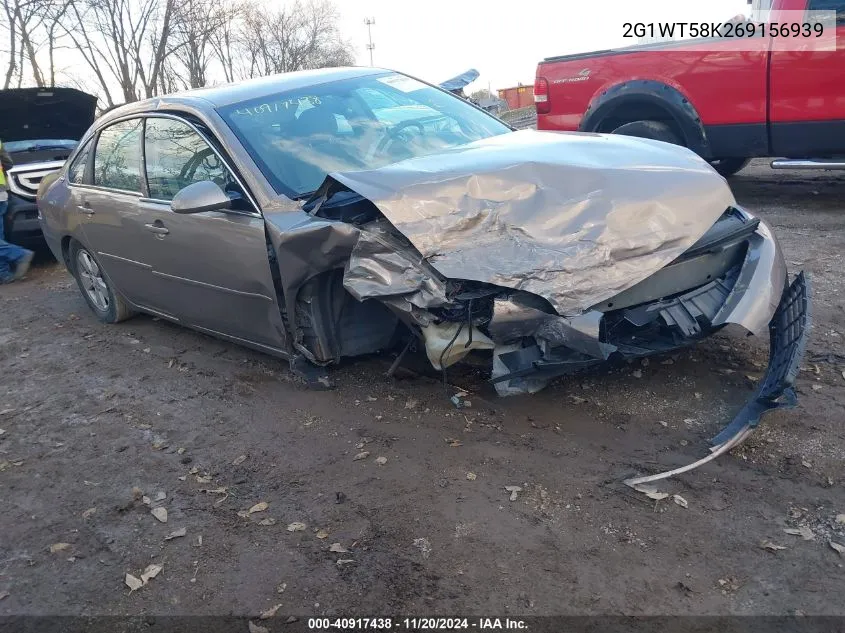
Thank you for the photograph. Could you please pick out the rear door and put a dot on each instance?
(211, 270)
(807, 94)
(108, 210)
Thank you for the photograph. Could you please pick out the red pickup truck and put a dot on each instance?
(727, 106)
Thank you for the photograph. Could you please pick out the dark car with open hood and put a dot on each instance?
(39, 128)
(332, 213)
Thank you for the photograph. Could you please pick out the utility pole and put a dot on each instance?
(370, 22)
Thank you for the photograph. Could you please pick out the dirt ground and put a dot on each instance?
(90, 412)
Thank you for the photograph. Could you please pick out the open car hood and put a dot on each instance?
(575, 218)
(45, 113)
(461, 81)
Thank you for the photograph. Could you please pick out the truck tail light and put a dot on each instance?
(541, 96)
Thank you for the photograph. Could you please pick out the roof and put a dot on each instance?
(253, 88)
(227, 94)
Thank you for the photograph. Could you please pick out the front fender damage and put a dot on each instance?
(555, 254)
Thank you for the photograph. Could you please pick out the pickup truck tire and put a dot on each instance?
(729, 166)
(654, 130)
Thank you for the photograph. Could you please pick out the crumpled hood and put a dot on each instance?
(575, 218)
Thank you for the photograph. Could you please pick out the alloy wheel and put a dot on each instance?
(92, 280)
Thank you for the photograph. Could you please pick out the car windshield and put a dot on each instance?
(298, 137)
(39, 144)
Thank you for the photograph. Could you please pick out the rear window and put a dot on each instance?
(117, 159)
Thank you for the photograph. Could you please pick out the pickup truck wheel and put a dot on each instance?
(96, 287)
(729, 166)
(649, 129)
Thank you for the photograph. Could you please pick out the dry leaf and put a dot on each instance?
(768, 545)
(361, 455)
(839, 548)
(150, 572)
(240, 459)
(254, 628)
(803, 531)
(322, 534)
(344, 561)
(178, 533)
(267, 521)
(338, 548)
(453, 442)
(133, 583)
(205, 479)
(160, 514)
(58, 547)
(269, 613)
(215, 491)
(261, 506)
(89, 513)
(296, 526)
(651, 492)
(381, 461)
(471, 476)
(137, 493)
(680, 501)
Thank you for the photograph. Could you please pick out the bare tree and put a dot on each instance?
(123, 41)
(196, 24)
(140, 48)
(302, 34)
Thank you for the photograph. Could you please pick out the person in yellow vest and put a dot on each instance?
(14, 260)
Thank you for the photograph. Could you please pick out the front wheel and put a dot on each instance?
(95, 286)
(729, 166)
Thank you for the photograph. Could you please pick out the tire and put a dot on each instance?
(729, 166)
(654, 130)
(96, 287)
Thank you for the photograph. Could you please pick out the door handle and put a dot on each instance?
(157, 229)
(86, 209)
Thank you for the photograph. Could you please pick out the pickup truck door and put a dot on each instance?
(807, 93)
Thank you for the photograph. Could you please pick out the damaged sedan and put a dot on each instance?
(328, 214)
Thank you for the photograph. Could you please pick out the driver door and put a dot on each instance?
(210, 270)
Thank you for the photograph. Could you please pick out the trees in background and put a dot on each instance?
(133, 49)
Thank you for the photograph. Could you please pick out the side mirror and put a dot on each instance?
(199, 197)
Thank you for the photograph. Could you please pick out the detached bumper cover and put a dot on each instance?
(788, 331)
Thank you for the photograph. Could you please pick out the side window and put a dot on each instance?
(176, 156)
(117, 159)
(76, 171)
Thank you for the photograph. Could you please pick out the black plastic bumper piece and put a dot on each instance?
(788, 331)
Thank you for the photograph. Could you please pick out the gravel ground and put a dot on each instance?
(262, 476)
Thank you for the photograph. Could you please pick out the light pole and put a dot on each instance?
(369, 22)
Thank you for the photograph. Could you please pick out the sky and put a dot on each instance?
(438, 39)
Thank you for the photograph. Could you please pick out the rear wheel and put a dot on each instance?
(729, 166)
(654, 130)
(95, 286)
